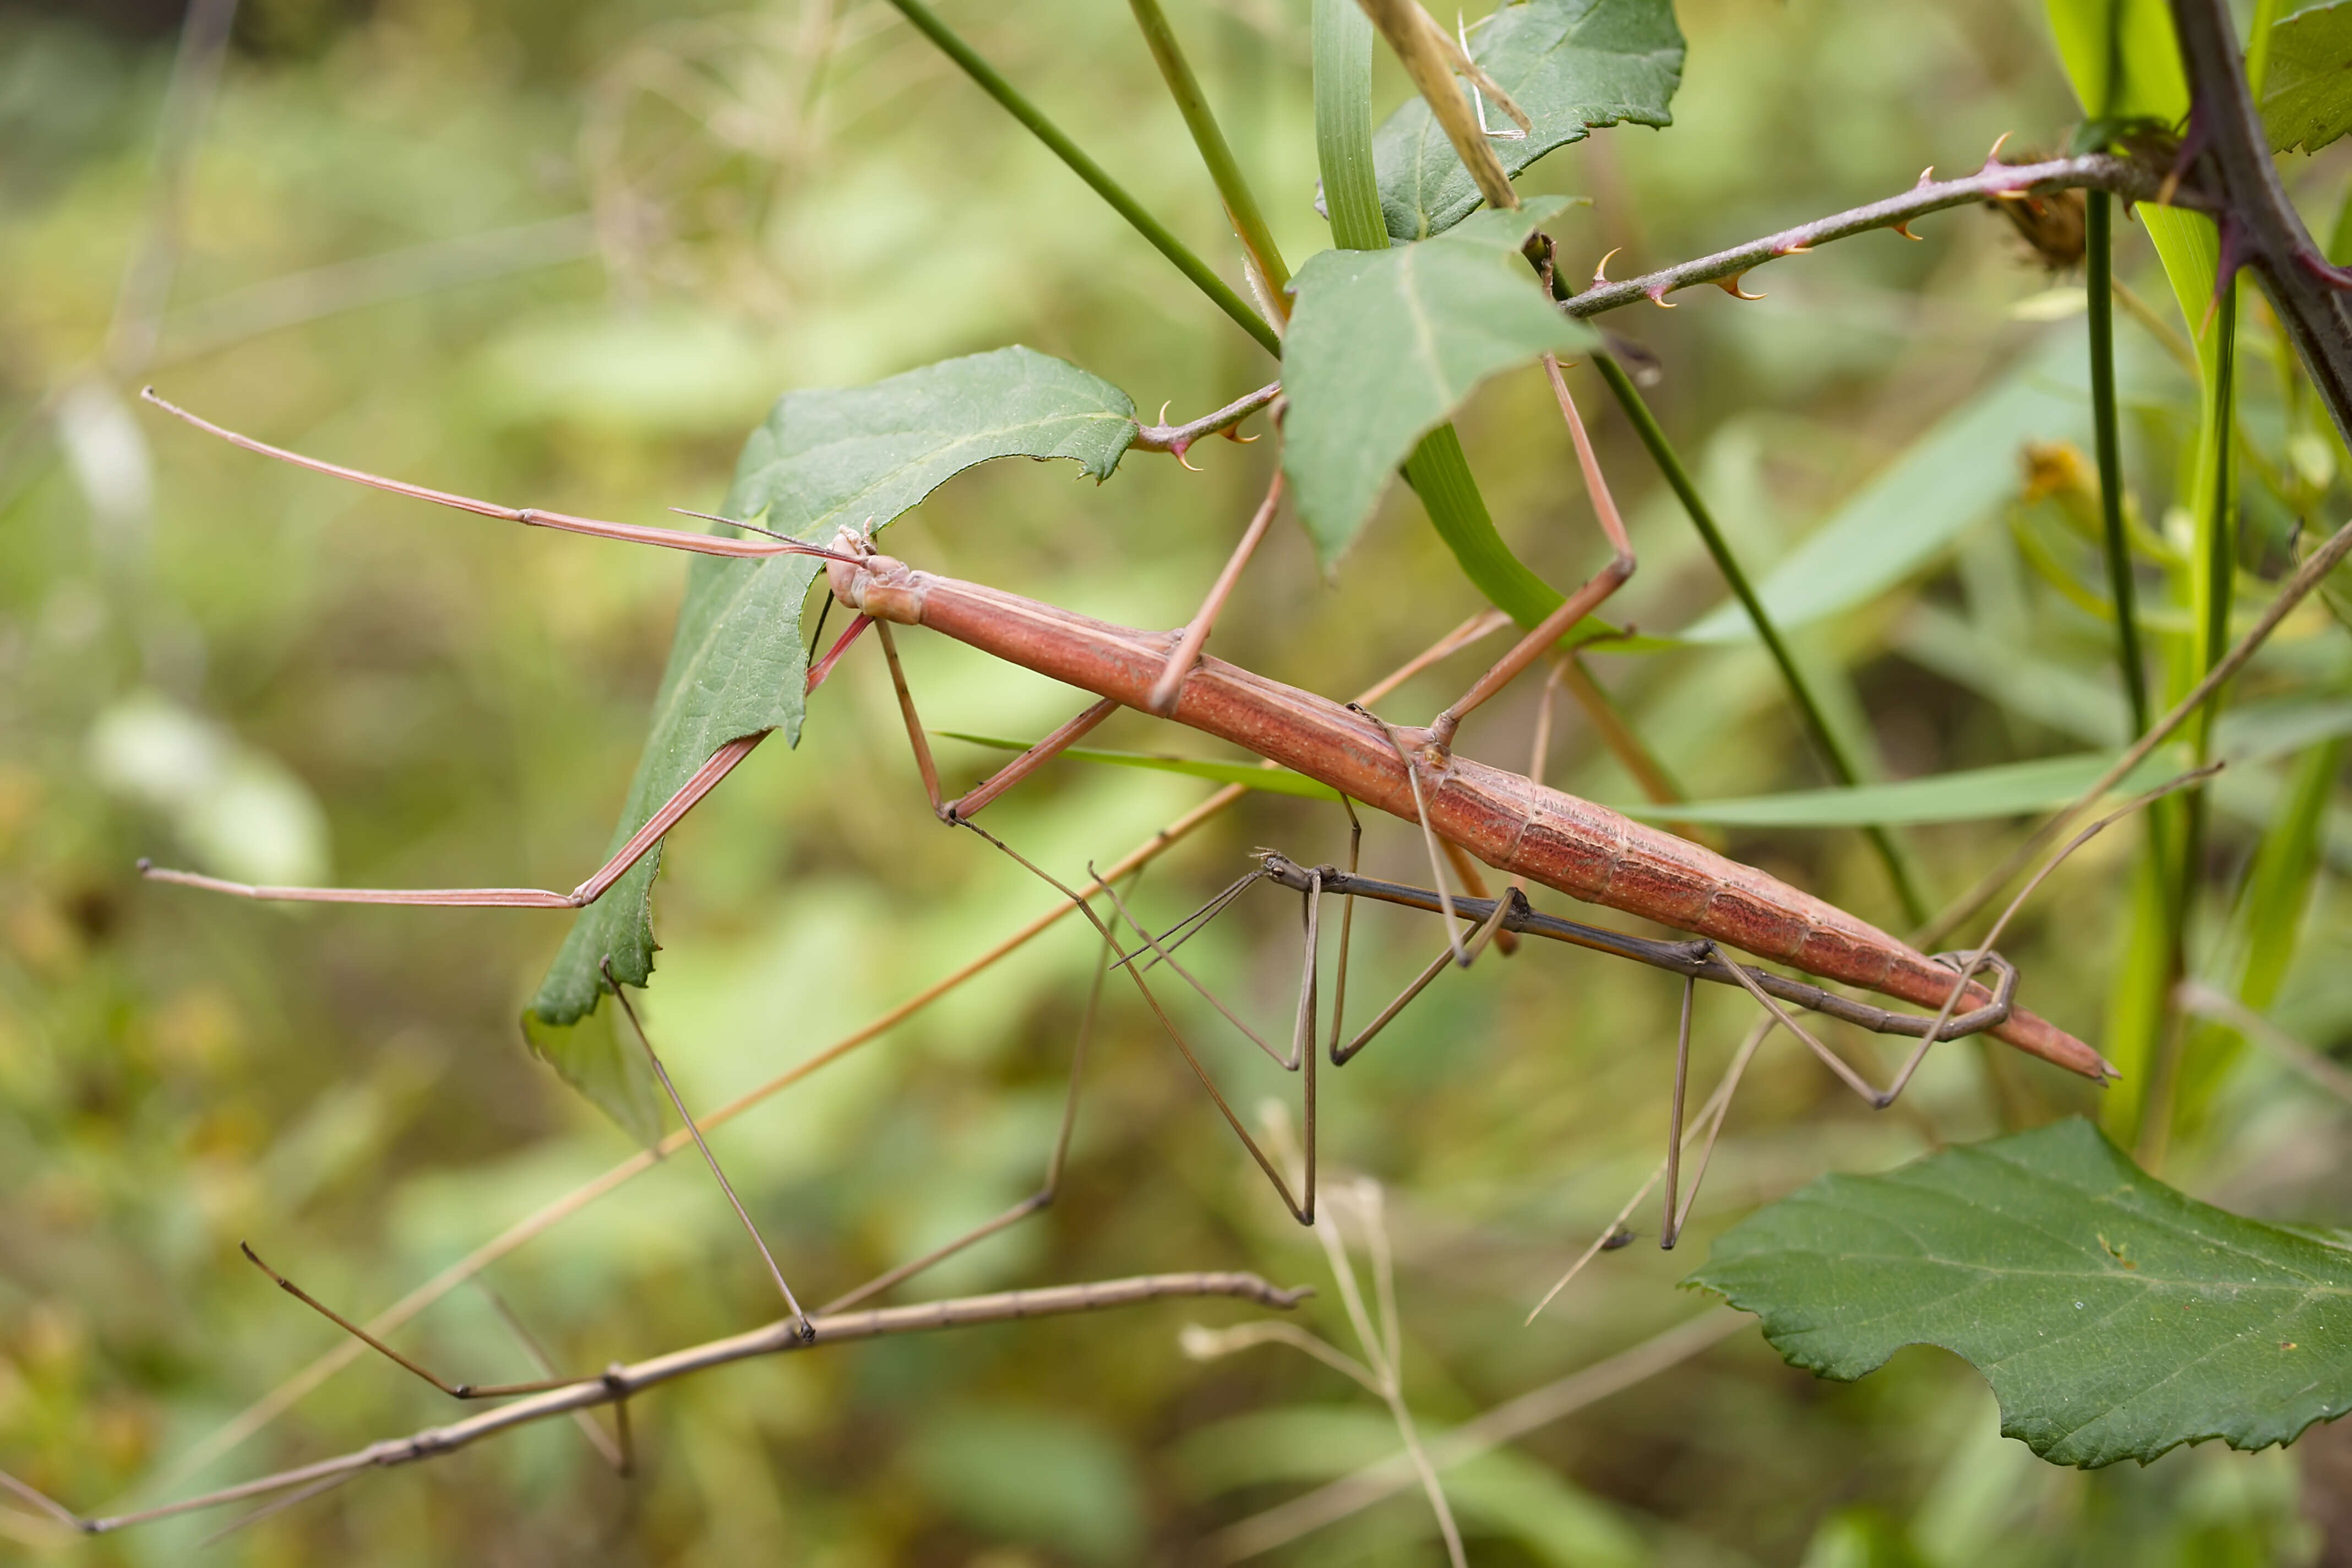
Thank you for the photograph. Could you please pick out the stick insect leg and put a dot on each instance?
(1710, 1115)
(1579, 605)
(1474, 883)
(1160, 955)
(1347, 929)
(620, 994)
(454, 1390)
(1719, 1104)
(706, 778)
(1004, 778)
(1405, 753)
(1042, 1198)
(915, 736)
(1188, 649)
(1488, 930)
(1666, 1225)
(1027, 762)
(1183, 1046)
(546, 1365)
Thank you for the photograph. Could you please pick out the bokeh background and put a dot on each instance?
(564, 255)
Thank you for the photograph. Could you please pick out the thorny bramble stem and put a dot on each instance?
(2126, 177)
(1176, 439)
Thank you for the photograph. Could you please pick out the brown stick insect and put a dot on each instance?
(1474, 811)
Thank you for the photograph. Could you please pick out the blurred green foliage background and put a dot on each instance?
(565, 256)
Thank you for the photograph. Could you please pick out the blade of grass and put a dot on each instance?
(1240, 206)
(1018, 105)
(1834, 753)
(1249, 775)
(2189, 246)
(2266, 926)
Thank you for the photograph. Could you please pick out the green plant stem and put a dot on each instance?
(1834, 753)
(1240, 206)
(2212, 579)
(1437, 471)
(2218, 581)
(2099, 213)
(1093, 174)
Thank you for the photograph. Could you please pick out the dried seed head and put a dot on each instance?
(2050, 222)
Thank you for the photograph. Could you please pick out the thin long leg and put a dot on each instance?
(1474, 883)
(1188, 649)
(530, 517)
(1613, 1234)
(706, 778)
(621, 995)
(1428, 834)
(971, 803)
(1720, 1104)
(1183, 1046)
(1042, 1198)
(1577, 605)
(276, 1506)
(1302, 1033)
(915, 736)
(1027, 762)
(546, 1365)
(454, 1390)
(1674, 1118)
(624, 1438)
(42, 1500)
(1878, 1098)
(1161, 955)
(1487, 932)
(1347, 929)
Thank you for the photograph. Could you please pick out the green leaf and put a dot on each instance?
(2121, 58)
(1386, 343)
(1958, 473)
(2113, 1316)
(2307, 90)
(1573, 65)
(1250, 775)
(1972, 795)
(853, 456)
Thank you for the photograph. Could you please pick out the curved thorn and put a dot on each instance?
(1731, 286)
(1926, 177)
(1600, 269)
(1992, 157)
(1904, 229)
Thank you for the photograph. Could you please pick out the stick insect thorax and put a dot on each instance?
(1512, 823)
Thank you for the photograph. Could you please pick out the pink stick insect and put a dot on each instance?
(1509, 821)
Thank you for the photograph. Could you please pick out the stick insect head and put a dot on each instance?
(872, 584)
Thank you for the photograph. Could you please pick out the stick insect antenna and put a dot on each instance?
(530, 517)
(1287, 1064)
(1196, 922)
(620, 994)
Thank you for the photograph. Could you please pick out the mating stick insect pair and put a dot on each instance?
(1466, 810)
